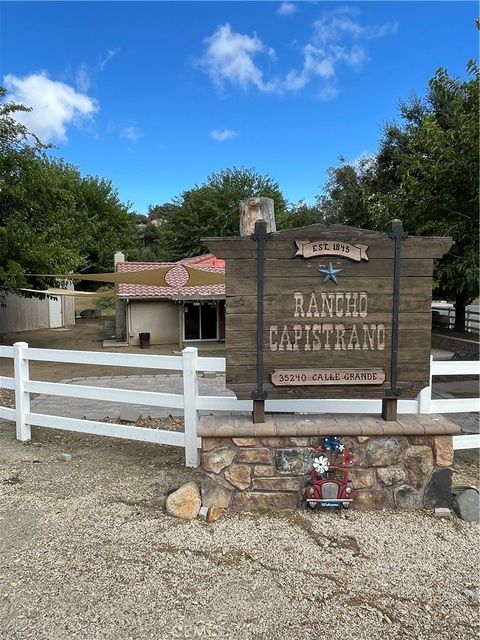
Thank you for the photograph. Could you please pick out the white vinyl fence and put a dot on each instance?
(189, 363)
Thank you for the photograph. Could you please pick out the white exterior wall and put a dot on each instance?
(28, 314)
(160, 319)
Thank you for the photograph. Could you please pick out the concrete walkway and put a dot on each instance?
(167, 383)
(99, 409)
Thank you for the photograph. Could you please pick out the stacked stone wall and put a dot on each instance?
(451, 343)
(402, 472)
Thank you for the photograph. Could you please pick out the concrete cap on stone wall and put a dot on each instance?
(325, 425)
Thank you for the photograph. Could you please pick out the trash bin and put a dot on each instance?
(144, 340)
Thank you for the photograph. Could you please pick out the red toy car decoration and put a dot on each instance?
(332, 490)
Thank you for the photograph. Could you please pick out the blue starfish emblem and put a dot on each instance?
(330, 273)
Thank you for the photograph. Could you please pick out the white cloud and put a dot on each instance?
(55, 105)
(316, 62)
(326, 93)
(335, 40)
(223, 134)
(130, 132)
(85, 72)
(354, 57)
(338, 38)
(126, 130)
(229, 57)
(287, 9)
(82, 78)
(102, 63)
(340, 23)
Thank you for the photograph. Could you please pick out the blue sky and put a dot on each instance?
(155, 96)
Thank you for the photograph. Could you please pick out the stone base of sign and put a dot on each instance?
(394, 471)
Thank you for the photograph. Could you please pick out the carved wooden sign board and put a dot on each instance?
(328, 321)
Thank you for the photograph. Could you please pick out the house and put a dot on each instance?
(175, 314)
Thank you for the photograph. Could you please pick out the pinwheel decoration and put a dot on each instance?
(332, 443)
(321, 464)
(347, 458)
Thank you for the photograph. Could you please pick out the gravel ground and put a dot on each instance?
(88, 552)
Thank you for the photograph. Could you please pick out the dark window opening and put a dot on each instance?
(209, 321)
(204, 320)
(192, 320)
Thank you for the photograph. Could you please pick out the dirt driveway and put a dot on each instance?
(87, 552)
(87, 335)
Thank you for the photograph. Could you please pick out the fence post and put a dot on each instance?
(425, 395)
(22, 397)
(190, 393)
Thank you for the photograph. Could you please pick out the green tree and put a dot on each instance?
(52, 220)
(13, 134)
(212, 210)
(105, 305)
(425, 173)
(149, 230)
(432, 179)
(303, 214)
(161, 212)
(151, 241)
(37, 234)
(349, 194)
(111, 226)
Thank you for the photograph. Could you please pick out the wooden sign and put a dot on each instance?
(309, 249)
(294, 377)
(328, 301)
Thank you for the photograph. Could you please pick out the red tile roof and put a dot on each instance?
(177, 277)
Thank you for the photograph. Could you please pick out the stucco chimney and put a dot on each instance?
(120, 305)
(118, 257)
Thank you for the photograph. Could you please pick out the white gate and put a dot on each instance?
(55, 312)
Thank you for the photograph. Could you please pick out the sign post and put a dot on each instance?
(259, 214)
(259, 396)
(389, 404)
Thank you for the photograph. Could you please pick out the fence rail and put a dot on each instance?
(189, 364)
(128, 396)
(445, 317)
(102, 357)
